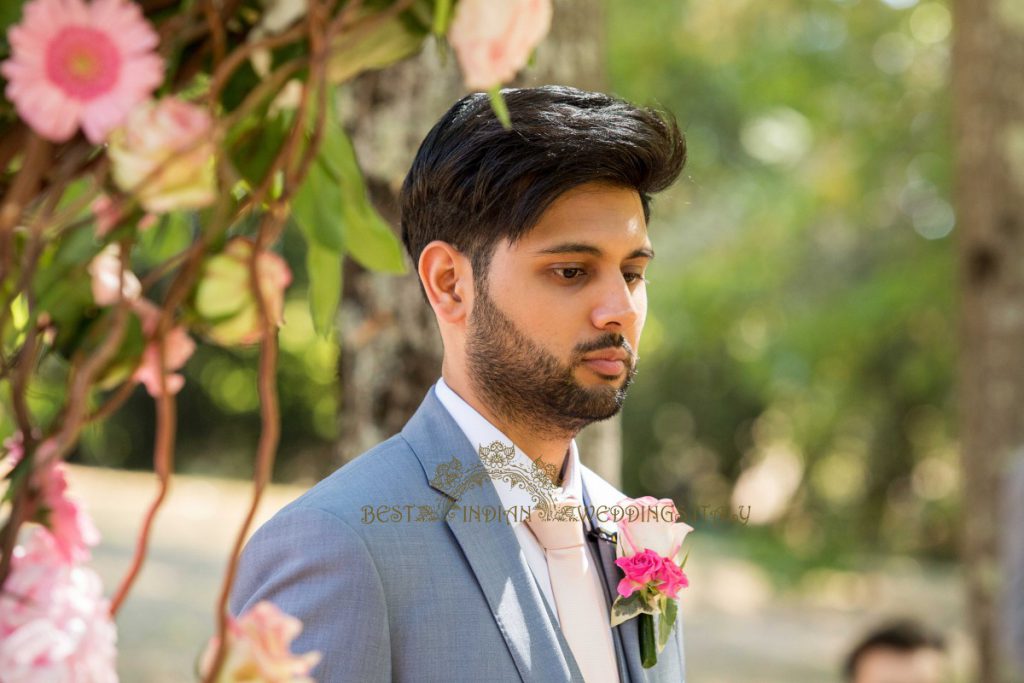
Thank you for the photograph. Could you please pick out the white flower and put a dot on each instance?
(651, 523)
(105, 271)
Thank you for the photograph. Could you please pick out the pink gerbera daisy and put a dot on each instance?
(74, 64)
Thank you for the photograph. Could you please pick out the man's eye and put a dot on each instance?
(633, 277)
(569, 273)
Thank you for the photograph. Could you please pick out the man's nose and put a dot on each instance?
(616, 304)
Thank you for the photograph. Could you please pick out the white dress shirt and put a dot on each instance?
(481, 432)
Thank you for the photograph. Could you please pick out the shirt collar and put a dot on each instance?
(482, 433)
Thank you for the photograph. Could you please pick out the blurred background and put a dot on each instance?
(796, 394)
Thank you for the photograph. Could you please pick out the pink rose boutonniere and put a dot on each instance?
(649, 552)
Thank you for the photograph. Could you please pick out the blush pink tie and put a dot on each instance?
(582, 613)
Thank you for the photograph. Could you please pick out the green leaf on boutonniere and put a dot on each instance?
(627, 608)
(670, 609)
(648, 653)
(686, 557)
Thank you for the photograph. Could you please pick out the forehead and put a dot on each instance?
(594, 213)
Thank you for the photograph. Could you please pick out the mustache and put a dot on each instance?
(609, 341)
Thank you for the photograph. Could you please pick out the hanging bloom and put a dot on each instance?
(13, 450)
(163, 154)
(108, 214)
(105, 270)
(259, 648)
(225, 296)
(55, 624)
(493, 40)
(178, 349)
(279, 15)
(70, 526)
(74, 64)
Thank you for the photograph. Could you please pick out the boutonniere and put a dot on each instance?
(649, 552)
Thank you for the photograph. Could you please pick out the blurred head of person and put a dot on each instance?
(898, 651)
(531, 245)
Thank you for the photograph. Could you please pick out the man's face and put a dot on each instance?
(889, 665)
(572, 288)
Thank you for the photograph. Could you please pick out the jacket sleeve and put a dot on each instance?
(314, 566)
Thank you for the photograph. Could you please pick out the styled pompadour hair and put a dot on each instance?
(474, 182)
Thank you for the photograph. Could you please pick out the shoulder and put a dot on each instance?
(386, 474)
(323, 527)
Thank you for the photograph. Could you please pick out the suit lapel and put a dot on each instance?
(602, 563)
(492, 550)
(629, 636)
(626, 635)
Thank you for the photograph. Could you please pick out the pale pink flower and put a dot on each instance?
(14, 449)
(105, 271)
(71, 527)
(108, 214)
(178, 349)
(650, 523)
(224, 295)
(74, 64)
(259, 649)
(493, 39)
(147, 221)
(55, 624)
(164, 155)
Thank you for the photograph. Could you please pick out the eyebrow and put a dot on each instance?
(583, 248)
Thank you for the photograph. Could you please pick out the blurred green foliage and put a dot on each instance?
(799, 351)
(218, 410)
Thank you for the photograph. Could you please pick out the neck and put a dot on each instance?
(552, 449)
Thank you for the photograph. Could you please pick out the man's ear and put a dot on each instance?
(447, 278)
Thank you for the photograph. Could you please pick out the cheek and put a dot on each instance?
(641, 307)
(641, 302)
(641, 320)
(552, 327)
(544, 320)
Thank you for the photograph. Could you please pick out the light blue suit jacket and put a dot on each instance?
(451, 599)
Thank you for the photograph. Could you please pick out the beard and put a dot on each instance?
(524, 384)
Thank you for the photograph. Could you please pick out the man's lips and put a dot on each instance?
(606, 367)
(607, 362)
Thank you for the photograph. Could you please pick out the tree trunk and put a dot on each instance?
(391, 348)
(988, 93)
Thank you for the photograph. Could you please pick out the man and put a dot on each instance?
(900, 651)
(531, 246)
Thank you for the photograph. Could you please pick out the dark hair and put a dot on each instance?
(904, 635)
(473, 182)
